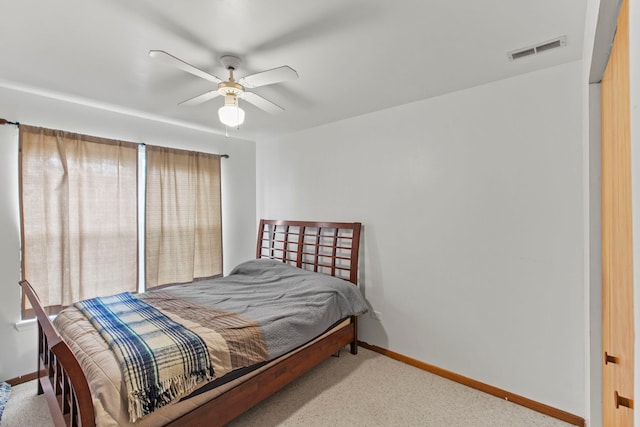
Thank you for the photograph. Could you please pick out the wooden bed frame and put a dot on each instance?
(326, 247)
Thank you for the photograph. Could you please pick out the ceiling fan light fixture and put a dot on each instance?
(231, 114)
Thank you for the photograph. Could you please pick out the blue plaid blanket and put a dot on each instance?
(5, 389)
(161, 360)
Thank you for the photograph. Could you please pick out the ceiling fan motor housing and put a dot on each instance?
(229, 88)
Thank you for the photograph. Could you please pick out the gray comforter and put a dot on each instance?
(291, 305)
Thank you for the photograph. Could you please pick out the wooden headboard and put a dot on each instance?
(324, 247)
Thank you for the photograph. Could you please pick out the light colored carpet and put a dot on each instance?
(364, 390)
(25, 408)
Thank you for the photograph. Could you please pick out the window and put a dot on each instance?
(79, 206)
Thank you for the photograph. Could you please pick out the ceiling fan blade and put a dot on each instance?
(268, 77)
(262, 103)
(196, 100)
(338, 20)
(177, 62)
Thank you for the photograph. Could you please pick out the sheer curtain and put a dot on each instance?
(183, 216)
(78, 206)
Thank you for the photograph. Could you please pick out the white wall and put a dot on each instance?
(595, 52)
(593, 306)
(18, 348)
(474, 226)
(16, 357)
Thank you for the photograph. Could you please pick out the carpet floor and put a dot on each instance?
(364, 390)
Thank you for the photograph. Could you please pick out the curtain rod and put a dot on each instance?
(7, 122)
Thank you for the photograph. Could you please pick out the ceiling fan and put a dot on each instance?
(231, 114)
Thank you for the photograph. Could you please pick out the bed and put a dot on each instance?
(313, 249)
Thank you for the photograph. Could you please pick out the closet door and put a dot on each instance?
(617, 243)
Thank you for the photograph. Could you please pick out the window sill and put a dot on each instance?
(25, 325)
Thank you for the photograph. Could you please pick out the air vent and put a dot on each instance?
(532, 50)
(522, 53)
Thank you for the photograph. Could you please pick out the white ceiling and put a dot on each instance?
(352, 56)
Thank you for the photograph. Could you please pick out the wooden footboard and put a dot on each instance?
(60, 377)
